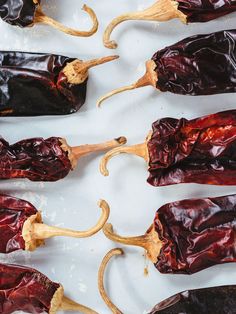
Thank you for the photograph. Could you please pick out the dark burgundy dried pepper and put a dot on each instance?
(39, 159)
(201, 150)
(25, 13)
(34, 84)
(189, 235)
(22, 228)
(187, 11)
(197, 65)
(26, 289)
(217, 300)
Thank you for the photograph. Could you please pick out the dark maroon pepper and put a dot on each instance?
(201, 150)
(197, 65)
(25, 13)
(217, 300)
(33, 84)
(26, 289)
(189, 235)
(39, 159)
(187, 11)
(21, 226)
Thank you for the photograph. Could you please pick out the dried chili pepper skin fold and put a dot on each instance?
(14, 212)
(196, 234)
(18, 12)
(35, 159)
(204, 11)
(25, 289)
(201, 150)
(198, 65)
(217, 300)
(34, 84)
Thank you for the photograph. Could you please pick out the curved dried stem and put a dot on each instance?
(162, 10)
(149, 241)
(76, 71)
(69, 305)
(140, 150)
(40, 17)
(149, 78)
(141, 241)
(75, 153)
(101, 273)
(42, 231)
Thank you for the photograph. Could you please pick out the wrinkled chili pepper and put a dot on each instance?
(24, 13)
(197, 65)
(187, 11)
(217, 300)
(22, 228)
(34, 84)
(26, 289)
(201, 150)
(39, 159)
(189, 235)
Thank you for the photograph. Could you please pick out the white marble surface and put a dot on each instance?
(72, 202)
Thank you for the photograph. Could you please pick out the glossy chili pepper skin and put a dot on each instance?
(14, 212)
(18, 12)
(205, 10)
(196, 234)
(217, 300)
(35, 159)
(198, 65)
(33, 84)
(201, 150)
(25, 289)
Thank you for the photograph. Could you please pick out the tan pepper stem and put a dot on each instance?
(101, 273)
(149, 241)
(76, 71)
(42, 231)
(140, 150)
(162, 10)
(75, 153)
(69, 305)
(149, 78)
(83, 150)
(40, 17)
(141, 241)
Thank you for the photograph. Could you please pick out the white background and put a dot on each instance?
(72, 202)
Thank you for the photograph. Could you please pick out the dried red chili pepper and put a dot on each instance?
(24, 13)
(197, 65)
(217, 300)
(26, 289)
(45, 160)
(22, 228)
(201, 150)
(189, 235)
(164, 10)
(34, 84)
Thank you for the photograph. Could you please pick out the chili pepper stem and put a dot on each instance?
(42, 231)
(40, 17)
(149, 241)
(83, 150)
(149, 78)
(76, 71)
(138, 150)
(69, 305)
(101, 273)
(162, 10)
